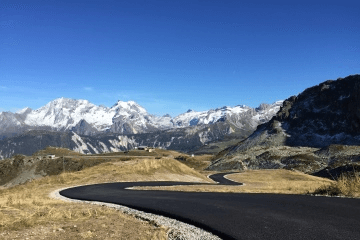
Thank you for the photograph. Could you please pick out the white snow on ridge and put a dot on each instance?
(129, 106)
(23, 110)
(191, 118)
(64, 113)
(105, 148)
(81, 145)
(93, 148)
(123, 141)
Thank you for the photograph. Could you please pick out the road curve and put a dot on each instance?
(237, 215)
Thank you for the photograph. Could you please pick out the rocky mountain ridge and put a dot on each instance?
(86, 118)
(124, 126)
(129, 118)
(81, 116)
(185, 139)
(320, 116)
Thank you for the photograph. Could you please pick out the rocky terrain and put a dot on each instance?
(304, 129)
(321, 115)
(328, 162)
(83, 117)
(86, 118)
(87, 128)
(181, 139)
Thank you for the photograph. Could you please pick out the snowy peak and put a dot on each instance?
(66, 103)
(233, 110)
(24, 111)
(65, 106)
(128, 108)
(127, 105)
(233, 114)
(125, 117)
(131, 118)
(64, 113)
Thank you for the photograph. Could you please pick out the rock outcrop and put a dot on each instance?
(326, 114)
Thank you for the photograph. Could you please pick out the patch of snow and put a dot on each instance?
(23, 110)
(343, 97)
(105, 148)
(320, 109)
(62, 114)
(81, 145)
(93, 148)
(204, 137)
(114, 149)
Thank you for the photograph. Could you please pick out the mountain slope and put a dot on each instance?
(85, 118)
(186, 139)
(239, 116)
(182, 139)
(322, 115)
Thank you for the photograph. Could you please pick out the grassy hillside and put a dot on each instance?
(261, 181)
(198, 162)
(28, 211)
(57, 151)
(20, 169)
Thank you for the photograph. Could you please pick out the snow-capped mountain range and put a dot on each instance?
(87, 128)
(85, 118)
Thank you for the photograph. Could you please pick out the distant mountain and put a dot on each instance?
(322, 115)
(181, 139)
(240, 116)
(129, 117)
(125, 120)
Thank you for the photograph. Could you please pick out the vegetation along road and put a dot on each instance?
(237, 215)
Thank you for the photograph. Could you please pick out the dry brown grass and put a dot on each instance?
(164, 169)
(261, 181)
(154, 152)
(57, 151)
(279, 181)
(347, 185)
(27, 210)
(198, 162)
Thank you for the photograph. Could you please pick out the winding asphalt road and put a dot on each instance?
(237, 215)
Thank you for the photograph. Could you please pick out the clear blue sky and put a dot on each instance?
(170, 56)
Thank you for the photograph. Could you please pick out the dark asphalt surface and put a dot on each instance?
(237, 215)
